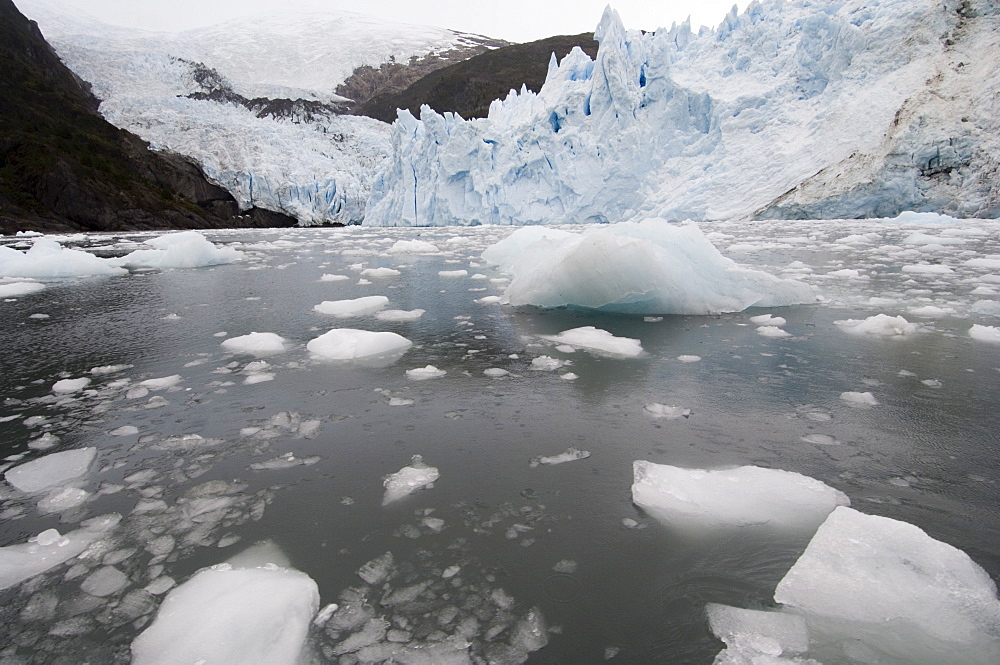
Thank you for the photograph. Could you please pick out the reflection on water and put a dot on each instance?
(218, 463)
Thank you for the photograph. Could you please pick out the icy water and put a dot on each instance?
(206, 471)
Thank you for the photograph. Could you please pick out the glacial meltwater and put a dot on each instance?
(464, 492)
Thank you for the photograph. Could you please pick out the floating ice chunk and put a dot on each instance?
(767, 320)
(343, 309)
(932, 311)
(380, 273)
(124, 430)
(70, 385)
(44, 442)
(890, 586)
(987, 307)
(62, 499)
(109, 369)
(48, 259)
(985, 333)
(927, 269)
(251, 616)
(400, 315)
(489, 300)
(847, 273)
(881, 325)
(184, 249)
(453, 273)
(989, 262)
(51, 471)
(255, 344)
(18, 289)
(327, 277)
(820, 439)
(425, 373)
(546, 364)
(350, 344)
(732, 497)
(104, 581)
(378, 570)
(161, 383)
(495, 372)
(688, 358)
(667, 411)
(752, 633)
(922, 218)
(599, 341)
(927, 239)
(649, 267)
(413, 247)
(569, 455)
(523, 244)
(286, 461)
(861, 399)
(400, 401)
(49, 549)
(773, 331)
(568, 376)
(409, 479)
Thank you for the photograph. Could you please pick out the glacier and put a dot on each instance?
(805, 109)
(306, 161)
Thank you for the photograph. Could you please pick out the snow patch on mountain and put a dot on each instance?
(819, 108)
(312, 164)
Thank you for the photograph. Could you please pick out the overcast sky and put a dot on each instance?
(514, 20)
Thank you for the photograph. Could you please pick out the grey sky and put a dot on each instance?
(515, 20)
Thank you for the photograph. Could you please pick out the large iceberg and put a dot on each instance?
(47, 259)
(648, 267)
(800, 109)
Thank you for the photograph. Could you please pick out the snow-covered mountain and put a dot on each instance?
(304, 159)
(801, 108)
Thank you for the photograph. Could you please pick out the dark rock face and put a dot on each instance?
(468, 87)
(64, 168)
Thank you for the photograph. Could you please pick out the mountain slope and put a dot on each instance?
(806, 108)
(469, 87)
(253, 100)
(63, 167)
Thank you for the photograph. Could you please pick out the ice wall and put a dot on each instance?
(824, 109)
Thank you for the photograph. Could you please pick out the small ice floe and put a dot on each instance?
(425, 373)
(880, 325)
(991, 262)
(232, 614)
(743, 496)
(847, 273)
(184, 249)
(820, 439)
(64, 498)
(38, 316)
(859, 398)
(380, 273)
(772, 331)
(161, 383)
(985, 333)
(413, 247)
(927, 269)
(453, 273)
(70, 385)
(884, 588)
(568, 376)
(688, 358)
(47, 259)
(767, 320)
(286, 461)
(50, 548)
(753, 636)
(932, 311)
(343, 309)
(256, 344)
(546, 364)
(18, 289)
(400, 315)
(109, 369)
(489, 300)
(569, 455)
(349, 344)
(51, 470)
(327, 277)
(400, 401)
(598, 341)
(44, 442)
(408, 480)
(666, 411)
(495, 372)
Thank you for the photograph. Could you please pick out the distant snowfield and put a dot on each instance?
(313, 167)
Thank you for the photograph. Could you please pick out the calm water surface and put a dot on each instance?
(627, 587)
